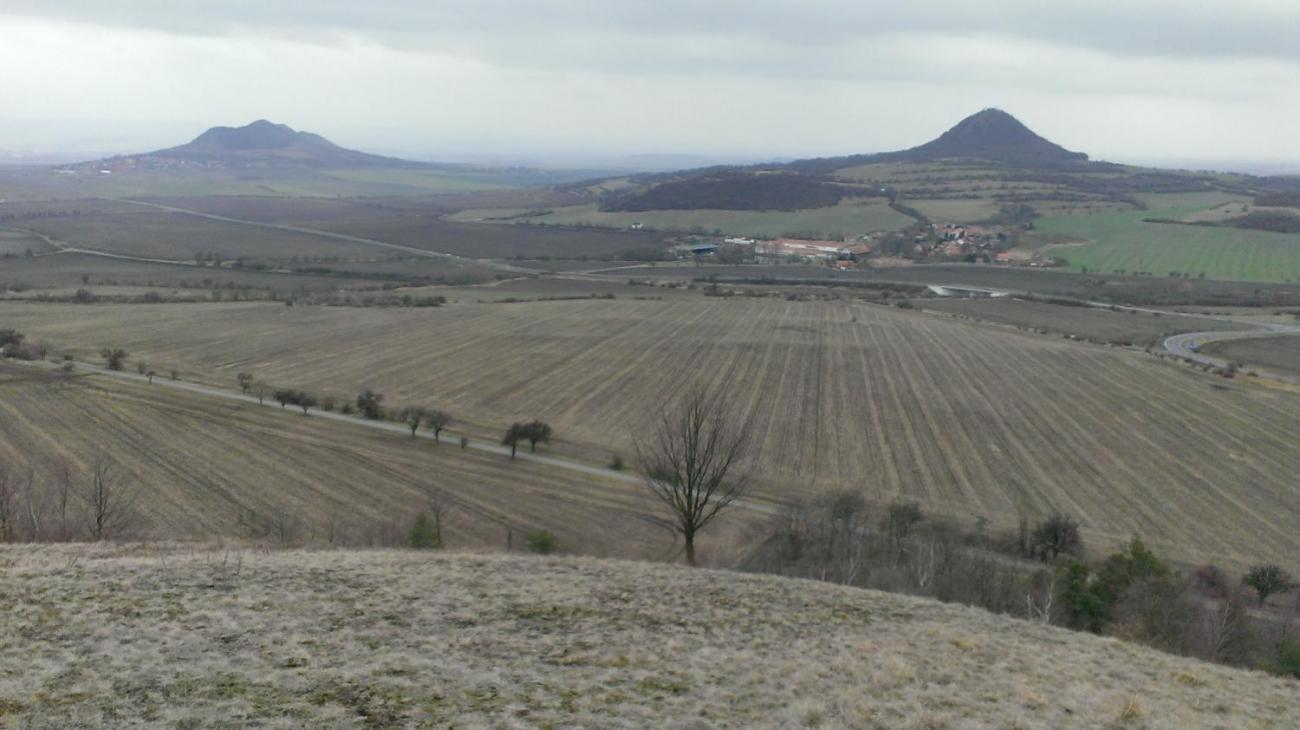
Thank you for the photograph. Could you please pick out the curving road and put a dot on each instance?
(1188, 345)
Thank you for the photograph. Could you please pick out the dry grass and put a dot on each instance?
(969, 420)
(149, 635)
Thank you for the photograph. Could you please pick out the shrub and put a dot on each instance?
(113, 357)
(425, 534)
(368, 404)
(541, 542)
(1267, 580)
(1288, 658)
(616, 463)
(1056, 535)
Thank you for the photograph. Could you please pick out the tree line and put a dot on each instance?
(1039, 573)
(61, 501)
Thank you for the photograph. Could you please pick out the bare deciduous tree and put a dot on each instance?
(1056, 535)
(414, 417)
(8, 502)
(108, 503)
(260, 391)
(437, 420)
(693, 460)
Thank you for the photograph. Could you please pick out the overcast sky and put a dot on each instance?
(1140, 80)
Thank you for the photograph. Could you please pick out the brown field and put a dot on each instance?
(1279, 354)
(178, 636)
(479, 240)
(553, 287)
(970, 420)
(92, 272)
(1053, 282)
(1128, 327)
(418, 223)
(181, 237)
(207, 468)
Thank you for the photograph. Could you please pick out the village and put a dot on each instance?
(930, 242)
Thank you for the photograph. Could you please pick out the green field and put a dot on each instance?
(1122, 241)
(849, 218)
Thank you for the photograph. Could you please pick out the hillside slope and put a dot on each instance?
(102, 635)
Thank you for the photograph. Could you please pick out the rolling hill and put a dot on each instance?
(187, 636)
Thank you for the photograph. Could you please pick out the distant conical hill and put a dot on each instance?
(993, 135)
(270, 143)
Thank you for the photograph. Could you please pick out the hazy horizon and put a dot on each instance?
(578, 83)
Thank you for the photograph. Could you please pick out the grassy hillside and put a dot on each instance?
(970, 420)
(207, 468)
(157, 636)
(1116, 241)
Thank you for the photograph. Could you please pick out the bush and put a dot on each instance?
(368, 404)
(1056, 535)
(425, 534)
(1267, 580)
(616, 463)
(541, 542)
(1288, 658)
(113, 357)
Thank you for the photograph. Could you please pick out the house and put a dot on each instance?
(1003, 257)
(739, 241)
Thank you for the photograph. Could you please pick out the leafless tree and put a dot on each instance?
(108, 502)
(63, 479)
(1040, 598)
(260, 391)
(8, 502)
(694, 460)
(437, 420)
(1226, 629)
(414, 417)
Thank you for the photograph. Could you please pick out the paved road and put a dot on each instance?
(452, 437)
(1188, 345)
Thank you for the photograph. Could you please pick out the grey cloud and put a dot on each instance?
(491, 29)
